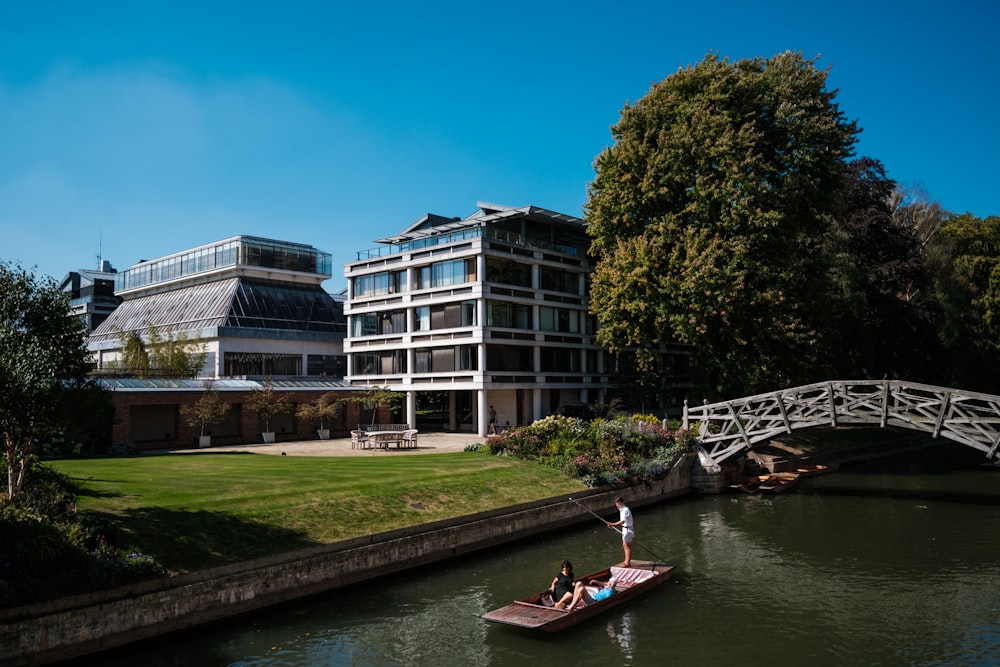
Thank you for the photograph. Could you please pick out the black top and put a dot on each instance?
(564, 584)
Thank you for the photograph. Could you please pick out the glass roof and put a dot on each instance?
(234, 302)
(262, 305)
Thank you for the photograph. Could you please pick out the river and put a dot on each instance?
(892, 563)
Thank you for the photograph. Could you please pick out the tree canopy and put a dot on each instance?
(43, 359)
(711, 219)
(969, 293)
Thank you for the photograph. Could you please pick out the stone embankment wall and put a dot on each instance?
(80, 625)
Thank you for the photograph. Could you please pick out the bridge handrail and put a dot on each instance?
(728, 427)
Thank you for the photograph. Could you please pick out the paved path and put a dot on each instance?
(427, 443)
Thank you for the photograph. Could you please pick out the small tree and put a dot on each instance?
(208, 410)
(43, 362)
(267, 404)
(325, 407)
(162, 353)
(378, 397)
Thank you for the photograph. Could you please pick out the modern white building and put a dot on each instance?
(462, 314)
(256, 305)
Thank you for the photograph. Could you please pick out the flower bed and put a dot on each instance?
(625, 449)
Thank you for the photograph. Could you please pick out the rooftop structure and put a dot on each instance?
(256, 304)
(92, 294)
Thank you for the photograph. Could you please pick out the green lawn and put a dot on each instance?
(192, 511)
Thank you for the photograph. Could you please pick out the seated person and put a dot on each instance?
(561, 589)
(580, 593)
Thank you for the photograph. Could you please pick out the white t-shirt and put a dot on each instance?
(625, 516)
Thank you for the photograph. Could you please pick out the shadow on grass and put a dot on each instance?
(81, 490)
(186, 541)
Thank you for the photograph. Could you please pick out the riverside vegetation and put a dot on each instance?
(93, 523)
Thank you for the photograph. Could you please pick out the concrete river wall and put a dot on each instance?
(76, 626)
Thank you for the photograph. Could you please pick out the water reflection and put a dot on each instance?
(621, 634)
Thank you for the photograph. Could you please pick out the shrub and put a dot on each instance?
(48, 550)
(602, 452)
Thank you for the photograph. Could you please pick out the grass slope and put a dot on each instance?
(196, 511)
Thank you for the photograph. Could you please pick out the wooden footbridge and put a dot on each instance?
(730, 427)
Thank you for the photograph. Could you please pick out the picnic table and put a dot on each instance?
(383, 438)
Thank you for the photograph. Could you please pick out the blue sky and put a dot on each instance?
(138, 129)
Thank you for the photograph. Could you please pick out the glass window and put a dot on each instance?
(364, 325)
(466, 358)
(446, 316)
(443, 274)
(510, 315)
(560, 359)
(387, 362)
(558, 280)
(444, 359)
(559, 319)
(508, 358)
(261, 363)
(422, 318)
(507, 272)
(384, 282)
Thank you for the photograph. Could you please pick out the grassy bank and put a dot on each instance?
(196, 511)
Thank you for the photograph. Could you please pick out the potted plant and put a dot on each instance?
(319, 411)
(208, 410)
(267, 404)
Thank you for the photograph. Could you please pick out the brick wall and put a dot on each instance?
(183, 435)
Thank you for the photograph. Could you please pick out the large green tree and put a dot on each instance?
(890, 325)
(43, 360)
(970, 296)
(710, 218)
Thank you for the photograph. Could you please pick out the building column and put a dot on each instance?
(536, 404)
(480, 419)
(411, 408)
(453, 411)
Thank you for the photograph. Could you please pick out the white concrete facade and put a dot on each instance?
(491, 310)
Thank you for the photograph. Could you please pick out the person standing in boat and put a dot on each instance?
(628, 532)
(561, 589)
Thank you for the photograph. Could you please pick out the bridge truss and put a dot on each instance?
(730, 427)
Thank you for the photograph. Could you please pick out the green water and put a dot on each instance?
(870, 566)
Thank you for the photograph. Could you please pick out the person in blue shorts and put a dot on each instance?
(580, 592)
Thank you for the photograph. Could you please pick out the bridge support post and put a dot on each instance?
(707, 476)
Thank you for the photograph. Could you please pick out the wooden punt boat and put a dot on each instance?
(533, 614)
(815, 469)
(749, 484)
(778, 482)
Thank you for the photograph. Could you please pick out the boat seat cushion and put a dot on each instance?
(630, 576)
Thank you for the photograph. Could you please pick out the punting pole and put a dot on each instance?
(608, 524)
